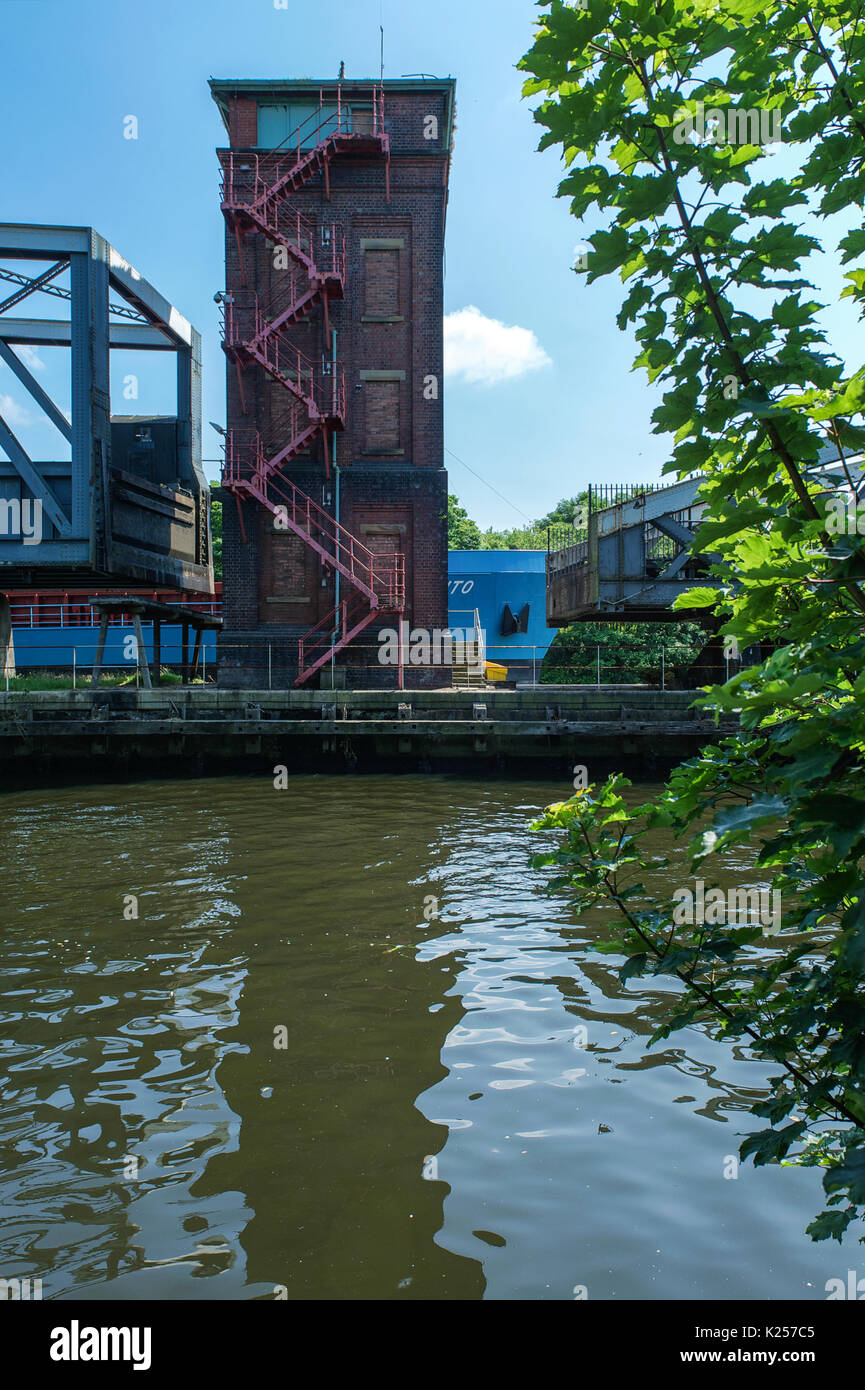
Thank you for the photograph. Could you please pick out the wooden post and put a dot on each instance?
(100, 647)
(157, 649)
(143, 666)
(196, 652)
(7, 645)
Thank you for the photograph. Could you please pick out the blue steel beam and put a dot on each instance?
(30, 475)
(42, 399)
(147, 300)
(32, 242)
(91, 400)
(29, 285)
(125, 310)
(58, 333)
(189, 402)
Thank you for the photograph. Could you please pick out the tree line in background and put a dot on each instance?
(626, 654)
(465, 534)
(216, 530)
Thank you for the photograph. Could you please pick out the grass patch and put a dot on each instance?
(47, 680)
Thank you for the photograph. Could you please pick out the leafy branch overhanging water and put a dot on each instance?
(660, 108)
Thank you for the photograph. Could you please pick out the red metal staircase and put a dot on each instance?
(312, 272)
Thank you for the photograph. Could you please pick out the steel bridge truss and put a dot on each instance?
(636, 559)
(98, 522)
(639, 552)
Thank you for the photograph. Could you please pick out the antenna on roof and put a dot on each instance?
(341, 72)
(381, 29)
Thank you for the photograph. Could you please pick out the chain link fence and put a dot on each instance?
(271, 663)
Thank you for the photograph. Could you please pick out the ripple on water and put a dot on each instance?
(280, 1075)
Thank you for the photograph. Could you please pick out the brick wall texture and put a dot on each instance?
(391, 478)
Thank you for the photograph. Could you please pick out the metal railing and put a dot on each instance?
(575, 554)
(380, 576)
(603, 495)
(262, 177)
(83, 615)
(75, 663)
(318, 247)
(249, 457)
(335, 630)
(319, 386)
(477, 642)
(563, 535)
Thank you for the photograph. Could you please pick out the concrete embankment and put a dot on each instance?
(208, 730)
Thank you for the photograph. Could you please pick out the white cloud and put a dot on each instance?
(483, 351)
(30, 357)
(12, 412)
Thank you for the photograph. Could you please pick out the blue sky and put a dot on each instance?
(571, 412)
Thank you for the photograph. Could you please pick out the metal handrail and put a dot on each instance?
(576, 554)
(320, 638)
(381, 577)
(377, 119)
(298, 137)
(34, 616)
(321, 388)
(478, 633)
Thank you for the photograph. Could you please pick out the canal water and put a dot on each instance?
(287, 1077)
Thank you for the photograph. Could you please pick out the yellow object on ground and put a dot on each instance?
(496, 672)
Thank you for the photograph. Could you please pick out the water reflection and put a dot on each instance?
(287, 1077)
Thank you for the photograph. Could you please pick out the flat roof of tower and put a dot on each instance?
(224, 87)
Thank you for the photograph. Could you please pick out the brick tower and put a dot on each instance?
(335, 493)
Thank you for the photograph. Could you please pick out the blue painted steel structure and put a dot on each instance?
(38, 648)
(101, 523)
(498, 583)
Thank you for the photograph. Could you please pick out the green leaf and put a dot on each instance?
(634, 965)
(829, 1225)
(770, 1145)
(848, 1176)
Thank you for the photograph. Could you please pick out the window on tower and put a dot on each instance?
(381, 400)
(381, 283)
(287, 123)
